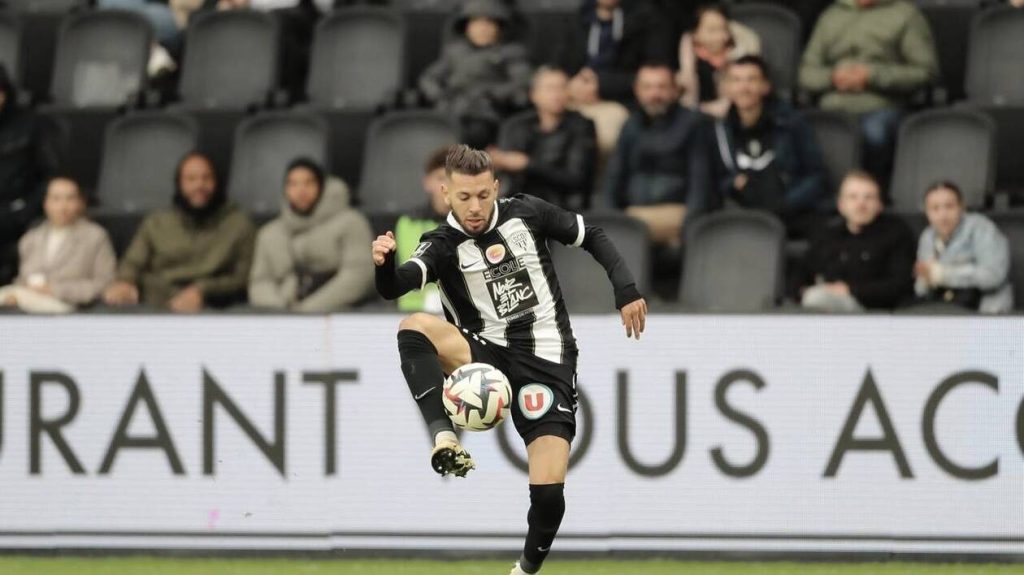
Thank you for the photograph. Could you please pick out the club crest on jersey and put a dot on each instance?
(421, 249)
(520, 240)
(495, 253)
(535, 400)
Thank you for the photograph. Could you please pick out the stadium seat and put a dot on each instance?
(950, 21)
(779, 30)
(140, 155)
(1012, 224)
(264, 146)
(45, 6)
(39, 32)
(957, 144)
(994, 57)
(10, 46)
(358, 58)
(839, 138)
(585, 285)
(397, 145)
(545, 22)
(733, 262)
(120, 226)
(425, 22)
(1009, 121)
(101, 59)
(554, 5)
(915, 220)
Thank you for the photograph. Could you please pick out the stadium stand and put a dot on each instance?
(10, 45)
(1012, 225)
(780, 31)
(839, 139)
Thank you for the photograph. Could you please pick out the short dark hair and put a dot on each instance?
(945, 185)
(307, 163)
(463, 159)
(752, 60)
(436, 159)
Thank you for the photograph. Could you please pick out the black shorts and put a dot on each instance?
(544, 399)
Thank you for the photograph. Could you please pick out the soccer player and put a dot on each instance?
(504, 308)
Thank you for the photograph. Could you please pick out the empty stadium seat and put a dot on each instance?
(956, 144)
(39, 32)
(231, 60)
(1009, 121)
(120, 226)
(10, 46)
(734, 262)
(838, 135)
(140, 155)
(1012, 224)
(358, 58)
(950, 21)
(101, 59)
(425, 24)
(585, 285)
(994, 57)
(397, 145)
(779, 30)
(264, 146)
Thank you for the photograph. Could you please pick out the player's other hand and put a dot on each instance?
(382, 246)
(634, 317)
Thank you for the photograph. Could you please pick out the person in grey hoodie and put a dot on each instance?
(962, 258)
(480, 78)
(312, 258)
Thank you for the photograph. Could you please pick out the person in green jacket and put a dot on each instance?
(193, 255)
(410, 227)
(867, 57)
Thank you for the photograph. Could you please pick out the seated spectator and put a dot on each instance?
(548, 152)
(313, 257)
(611, 41)
(864, 258)
(194, 255)
(479, 78)
(66, 261)
(660, 172)
(705, 53)
(26, 161)
(962, 258)
(410, 227)
(768, 157)
(867, 57)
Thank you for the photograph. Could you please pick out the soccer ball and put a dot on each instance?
(477, 396)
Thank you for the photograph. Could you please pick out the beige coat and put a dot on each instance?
(746, 43)
(334, 239)
(80, 269)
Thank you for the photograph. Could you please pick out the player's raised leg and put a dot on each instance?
(429, 348)
(549, 461)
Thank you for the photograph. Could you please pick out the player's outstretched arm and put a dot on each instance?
(393, 283)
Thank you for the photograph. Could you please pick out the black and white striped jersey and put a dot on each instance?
(501, 284)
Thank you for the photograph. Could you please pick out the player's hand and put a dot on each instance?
(382, 246)
(634, 317)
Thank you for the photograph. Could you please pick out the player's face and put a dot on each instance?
(472, 200)
(197, 182)
(944, 211)
(860, 202)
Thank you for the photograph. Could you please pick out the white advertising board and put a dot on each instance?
(712, 433)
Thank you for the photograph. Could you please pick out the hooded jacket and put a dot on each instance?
(333, 239)
(891, 37)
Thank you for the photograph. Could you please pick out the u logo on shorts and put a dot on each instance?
(535, 399)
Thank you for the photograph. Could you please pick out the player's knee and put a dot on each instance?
(548, 501)
(418, 321)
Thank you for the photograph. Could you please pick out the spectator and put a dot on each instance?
(607, 47)
(410, 227)
(768, 157)
(480, 78)
(66, 261)
(704, 54)
(549, 152)
(660, 171)
(26, 160)
(313, 257)
(962, 258)
(867, 57)
(863, 259)
(191, 256)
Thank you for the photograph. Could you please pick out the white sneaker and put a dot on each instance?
(517, 570)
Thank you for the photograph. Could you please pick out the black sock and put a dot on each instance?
(547, 506)
(423, 373)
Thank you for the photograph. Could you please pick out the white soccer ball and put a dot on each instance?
(477, 396)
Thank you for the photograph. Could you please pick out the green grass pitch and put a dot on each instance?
(16, 565)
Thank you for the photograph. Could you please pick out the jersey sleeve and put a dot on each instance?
(427, 257)
(554, 222)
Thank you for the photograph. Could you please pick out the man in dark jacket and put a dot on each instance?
(865, 259)
(26, 162)
(767, 155)
(610, 42)
(548, 152)
(660, 172)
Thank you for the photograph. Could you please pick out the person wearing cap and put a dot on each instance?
(312, 258)
(480, 77)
